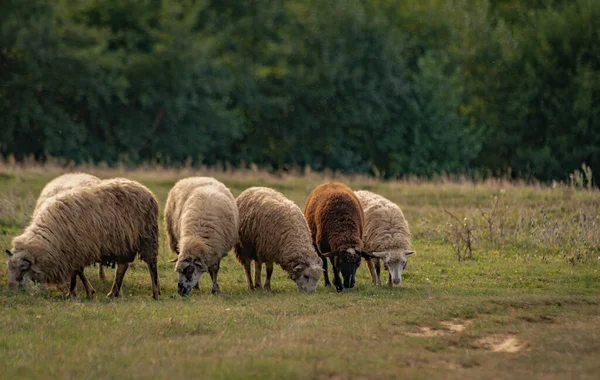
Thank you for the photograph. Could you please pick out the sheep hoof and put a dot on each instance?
(72, 295)
(112, 295)
(215, 290)
(268, 288)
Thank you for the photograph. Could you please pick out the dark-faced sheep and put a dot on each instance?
(61, 185)
(386, 236)
(273, 230)
(336, 220)
(201, 218)
(111, 222)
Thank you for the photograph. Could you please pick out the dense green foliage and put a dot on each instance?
(380, 86)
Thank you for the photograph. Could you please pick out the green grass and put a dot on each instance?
(537, 279)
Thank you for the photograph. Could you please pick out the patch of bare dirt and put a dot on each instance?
(452, 326)
(502, 343)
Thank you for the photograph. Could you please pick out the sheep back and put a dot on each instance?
(335, 218)
(273, 229)
(64, 183)
(201, 217)
(386, 227)
(110, 222)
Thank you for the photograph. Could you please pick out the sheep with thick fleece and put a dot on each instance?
(386, 236)
(273, 230)
(336, 222)
(61, 185)
(202, 219)
(110, 222)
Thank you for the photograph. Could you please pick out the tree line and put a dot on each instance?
(385, 87)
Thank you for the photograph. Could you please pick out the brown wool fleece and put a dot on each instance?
(201, 219)
(273, 229)
(113, 220)
(335, 218)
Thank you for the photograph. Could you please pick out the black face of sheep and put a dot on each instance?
(345, 263)
(348, 266)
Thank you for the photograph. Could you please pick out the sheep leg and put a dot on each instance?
(326, 272)
(257, 274)
(269, 266)
(72, 292)
(153, 269)
(337, 280)
(390, 280)
(372, 270)
(246, 265)
(214, 273)
(89, 289)
(116, 287)
(378, 271)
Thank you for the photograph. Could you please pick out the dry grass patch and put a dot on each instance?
(502, 343)
(451, 327)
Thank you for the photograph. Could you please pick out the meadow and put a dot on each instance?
(505, 284)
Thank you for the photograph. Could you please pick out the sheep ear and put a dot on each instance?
(35, 268)
(366, 255)
(379, 255)
(9, 253)
(200, 265)
(408, 253)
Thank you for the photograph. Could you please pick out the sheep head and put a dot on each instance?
(306, 276)
(189, 270)
(394, 261)
(22, 266)
(347, 262)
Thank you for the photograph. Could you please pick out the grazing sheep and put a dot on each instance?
(61, 185)
(336, 220)
(202, 220)
(273, 230)
(386, 236)
(110, 222)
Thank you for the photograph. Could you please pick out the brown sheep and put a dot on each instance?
(336, 221)
(110, 222)
(273, 230)
(201, 219)
(387, 236)
(61, 185)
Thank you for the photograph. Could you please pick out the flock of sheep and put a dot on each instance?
(80, 220)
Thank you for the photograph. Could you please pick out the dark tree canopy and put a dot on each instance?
(379, 86)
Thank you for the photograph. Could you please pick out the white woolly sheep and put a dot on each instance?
(61, 185)
(201, 218)
(386, 236)
(273, 230)
(111, 222)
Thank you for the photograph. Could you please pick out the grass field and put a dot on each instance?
(526, 305)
